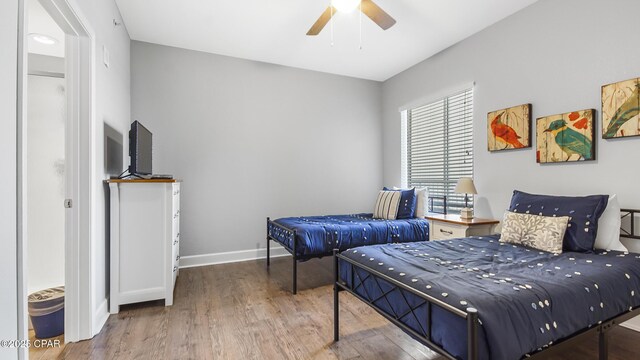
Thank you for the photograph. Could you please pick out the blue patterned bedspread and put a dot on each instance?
(319, 235)
(526, 299)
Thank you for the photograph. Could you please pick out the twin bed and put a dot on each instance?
(473, 298)
(317, 236)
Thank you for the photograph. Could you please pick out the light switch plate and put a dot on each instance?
(106, 57)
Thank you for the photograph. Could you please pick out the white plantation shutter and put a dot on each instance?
(439, 146)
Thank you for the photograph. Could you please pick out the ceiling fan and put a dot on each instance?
(368, 7)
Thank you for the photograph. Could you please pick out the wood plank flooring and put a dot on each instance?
(241, 311)
(45, 352)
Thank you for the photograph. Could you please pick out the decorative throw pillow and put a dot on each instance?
(387, 205)
(583, 211)
(407, 208)
(422, 195)
(539, 232)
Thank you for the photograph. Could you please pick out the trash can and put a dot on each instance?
(46, 310)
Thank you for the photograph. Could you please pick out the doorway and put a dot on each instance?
(45, 166)
(55, 122)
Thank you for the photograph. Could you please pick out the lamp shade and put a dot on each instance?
(465, 186)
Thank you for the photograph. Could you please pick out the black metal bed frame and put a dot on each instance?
(292, 251)
(631, 233)
(471, 315)
(431, 207)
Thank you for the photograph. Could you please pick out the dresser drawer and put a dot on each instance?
(175, 241)
(175, 247)
(175, 229)
(176, 259)
(175, 275)
(446, 227)
(445, 231)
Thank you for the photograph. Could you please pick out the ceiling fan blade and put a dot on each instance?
(375, 13)
(322, 21)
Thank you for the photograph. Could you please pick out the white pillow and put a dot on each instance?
(387, 205)
(608, 237)
(422, 196)
(421, 202)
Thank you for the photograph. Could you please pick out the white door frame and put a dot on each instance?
(79, 168)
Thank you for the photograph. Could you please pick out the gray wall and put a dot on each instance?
(8, 238)
(252, 140)
(553, 54)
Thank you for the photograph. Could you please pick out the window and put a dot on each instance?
(437, 147)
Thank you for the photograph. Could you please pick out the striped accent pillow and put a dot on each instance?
(387, 205)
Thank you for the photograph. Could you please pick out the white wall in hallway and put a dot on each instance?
(46, 117)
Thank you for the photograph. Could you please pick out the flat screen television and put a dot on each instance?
(140, 140)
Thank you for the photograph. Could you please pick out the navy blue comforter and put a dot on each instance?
(526, 299)
(319, 235)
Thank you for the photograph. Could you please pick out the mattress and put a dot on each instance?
(526, 299)
(319, 235)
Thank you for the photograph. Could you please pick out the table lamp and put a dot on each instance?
(465, 186)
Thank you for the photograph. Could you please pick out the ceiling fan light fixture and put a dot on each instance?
(366, 7)
(345, 6)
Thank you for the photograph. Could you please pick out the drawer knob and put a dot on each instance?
(446, 232)
(175, 268)
(177, 257)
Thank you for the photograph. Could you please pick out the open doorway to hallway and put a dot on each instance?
(62, 111)
(45, 186)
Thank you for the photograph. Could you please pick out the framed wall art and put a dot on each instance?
(509, 128)
(621, 109)
(566, 137)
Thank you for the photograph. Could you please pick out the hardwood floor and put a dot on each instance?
(241, 311)
(49, 350)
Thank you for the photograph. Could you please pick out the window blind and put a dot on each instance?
(439, 147)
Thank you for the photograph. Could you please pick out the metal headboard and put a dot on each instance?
(631, 214)
(432, 209)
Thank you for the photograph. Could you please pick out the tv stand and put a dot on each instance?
(145, 240)
(128, 175)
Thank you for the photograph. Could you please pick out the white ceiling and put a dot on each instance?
(274, 31)
(41, 22)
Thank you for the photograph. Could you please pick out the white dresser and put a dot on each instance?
(145, 240)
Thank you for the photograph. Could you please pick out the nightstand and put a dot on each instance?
(445, 227)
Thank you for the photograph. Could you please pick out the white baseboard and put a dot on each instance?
(230, 257)
(101, 316)
(633, 324)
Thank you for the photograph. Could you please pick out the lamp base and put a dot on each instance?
(466, 213)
